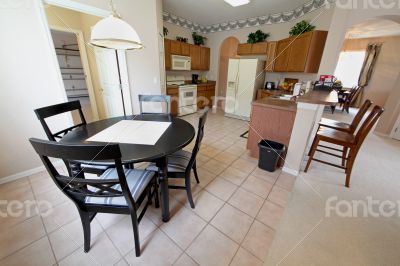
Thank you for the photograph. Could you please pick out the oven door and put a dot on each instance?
(187, 96)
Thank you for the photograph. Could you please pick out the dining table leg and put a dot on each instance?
(162, 165)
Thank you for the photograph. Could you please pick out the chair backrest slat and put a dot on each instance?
(76, 187)
(155, 99)
(52, 110)
(360, 114)
(199, 138)
(367, 125)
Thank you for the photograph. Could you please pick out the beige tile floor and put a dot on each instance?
(238, 208)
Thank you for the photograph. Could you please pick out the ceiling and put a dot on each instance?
(373, 28)
(209, 12)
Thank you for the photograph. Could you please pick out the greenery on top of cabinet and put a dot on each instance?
(301, 27)
(258, 36)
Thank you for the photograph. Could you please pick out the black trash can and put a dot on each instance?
(270, 153)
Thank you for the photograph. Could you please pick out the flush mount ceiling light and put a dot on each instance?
(114, 33)
(236, 3)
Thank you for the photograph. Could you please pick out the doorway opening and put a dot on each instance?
(72, 71)
(90, 74)
(227, 50)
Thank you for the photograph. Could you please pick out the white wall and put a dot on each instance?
(25, 84)
(35, 81)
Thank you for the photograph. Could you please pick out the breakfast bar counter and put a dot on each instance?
(292, 123)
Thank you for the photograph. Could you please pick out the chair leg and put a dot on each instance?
(135, 227)
(156, 195)
(195, 173)
(189, 190)
(313, 149)
(333, 107)
(344, 155)
(349, 168)
(315, 139)
(85, 219)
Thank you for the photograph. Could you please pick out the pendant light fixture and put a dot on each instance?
(114, 33)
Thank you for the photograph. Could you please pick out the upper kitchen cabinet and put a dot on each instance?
(167, 53)
(282, 53)
(185, 49)
(204, 58)
(199, 55)
(269, 65)
(301, 53)
(175, 47)
(252, 49)
(244, 49)
(195, 55)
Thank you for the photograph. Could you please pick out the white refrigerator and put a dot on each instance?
(245, 76)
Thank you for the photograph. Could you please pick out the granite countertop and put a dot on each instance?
(319, 97)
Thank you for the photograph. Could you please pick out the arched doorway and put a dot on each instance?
(227, 50)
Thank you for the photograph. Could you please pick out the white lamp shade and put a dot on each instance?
(114, 33)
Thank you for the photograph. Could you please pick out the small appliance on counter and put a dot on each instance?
(325, 83)
(269, 85)
(195, 79)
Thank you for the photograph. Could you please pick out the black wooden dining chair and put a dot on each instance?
(155, 99)
(182, 162)
(57, 109)
(118, 190)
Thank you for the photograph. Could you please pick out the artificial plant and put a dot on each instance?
(301, 27)
(198, 39)
(258, 36)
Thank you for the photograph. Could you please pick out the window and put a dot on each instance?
(349, 67)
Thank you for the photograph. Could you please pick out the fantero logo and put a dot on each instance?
(361, 208)
(364, 4)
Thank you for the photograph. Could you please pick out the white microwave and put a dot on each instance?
(181, 62)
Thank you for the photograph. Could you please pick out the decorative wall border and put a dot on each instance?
(249, 22)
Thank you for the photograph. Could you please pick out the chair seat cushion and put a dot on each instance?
(177, 162)
(137, 181)
(334, 124)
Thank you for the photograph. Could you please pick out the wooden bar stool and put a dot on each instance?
(341, 126)
(348, 141)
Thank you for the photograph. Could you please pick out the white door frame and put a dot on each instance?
(85, 64)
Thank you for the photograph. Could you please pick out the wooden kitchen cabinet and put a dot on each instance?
(210, 93)
(269, 65)
(244, 49)
(200, 55)
(174, 93)
(204, 58)
(195, 54)
(167, 53)
(282, 55)
(201, 99)
(252, 49)
(259, 48)
(175, 48)
(298, 53)
(301, 53)
(185, 49)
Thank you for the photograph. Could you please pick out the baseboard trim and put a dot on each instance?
(381, 134)
(290, 171)
(27, 173)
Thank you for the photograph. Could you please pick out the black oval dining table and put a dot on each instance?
(178, 135)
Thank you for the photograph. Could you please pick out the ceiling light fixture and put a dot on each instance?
(236, 3)
(114, 33)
